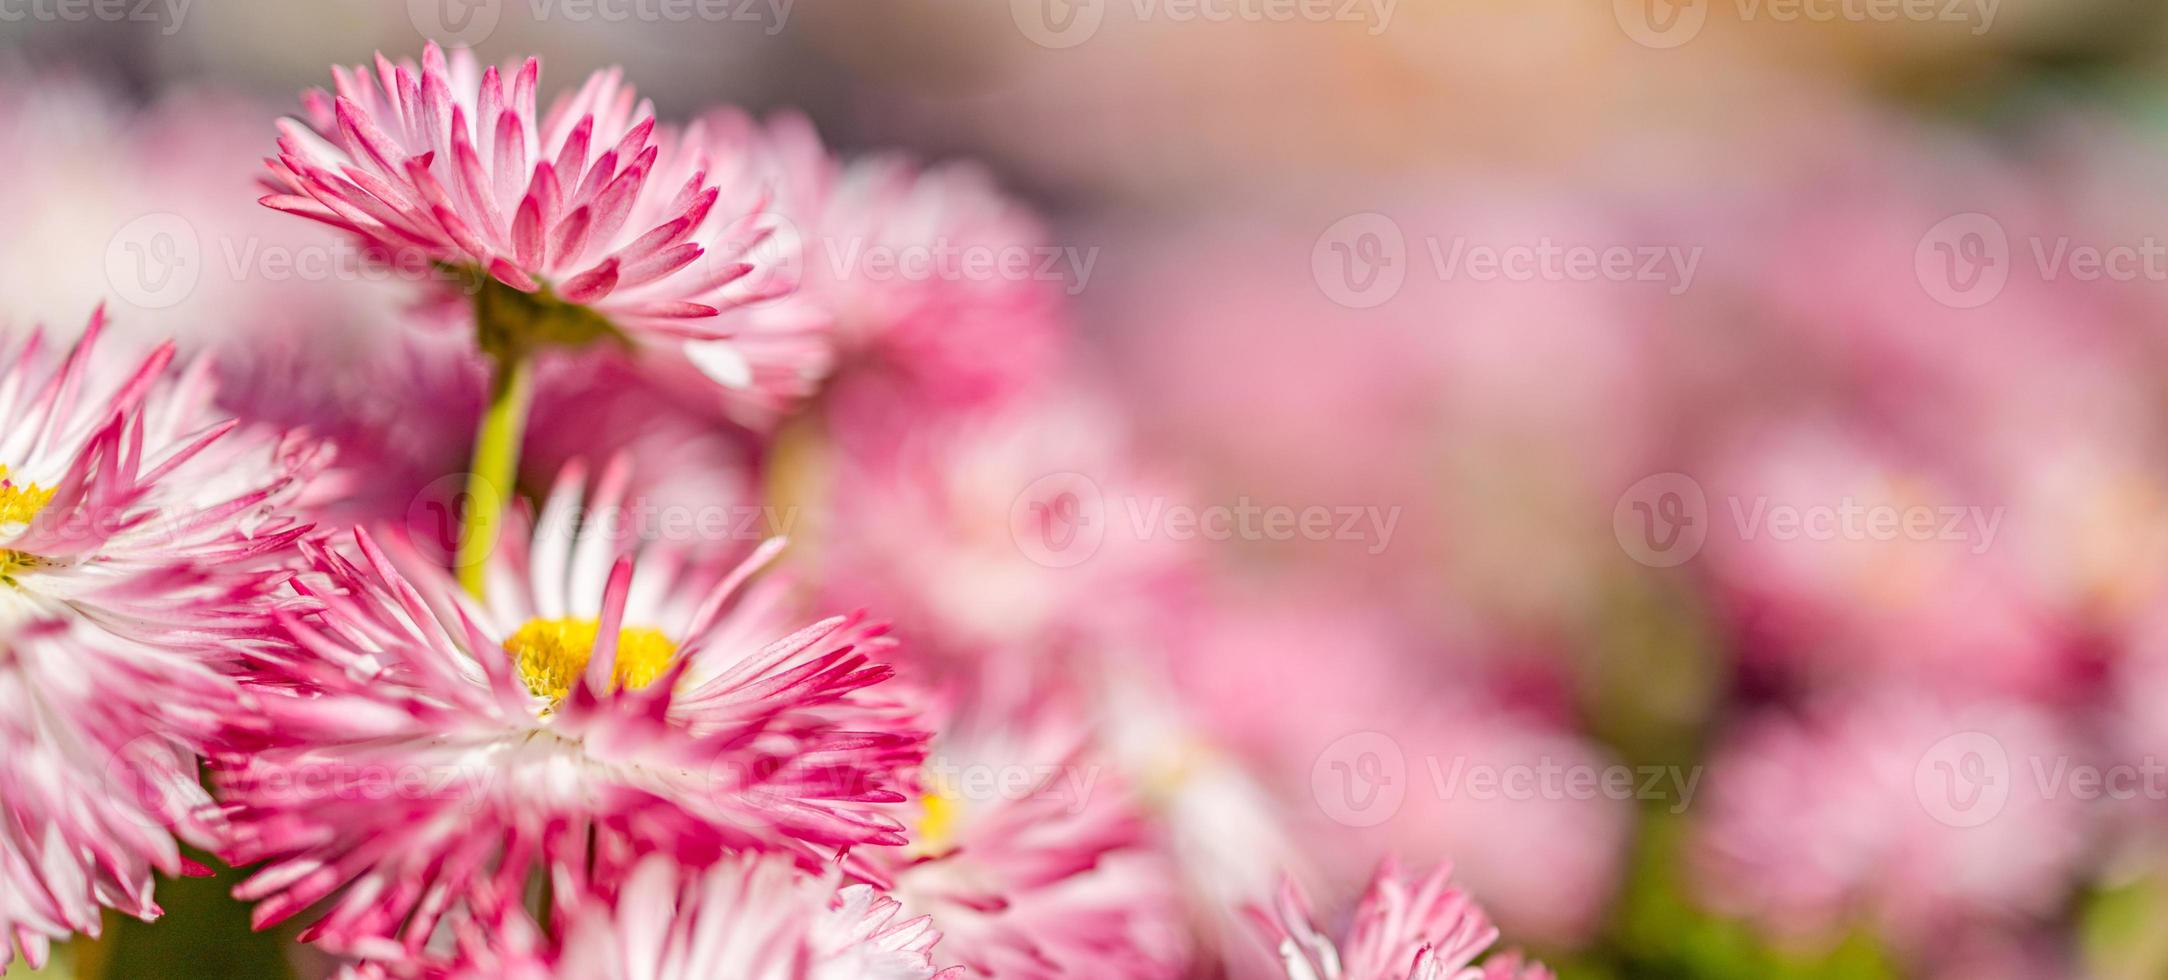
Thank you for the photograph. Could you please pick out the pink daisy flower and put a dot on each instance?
(1405, 928)
(426, 751)
(752, 917)
(137, 538)
(597, 223)
(1030, 853)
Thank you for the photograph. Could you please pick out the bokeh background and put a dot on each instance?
(1739, 423)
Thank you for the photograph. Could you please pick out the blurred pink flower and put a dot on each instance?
(751, 917)
(1405, 928)
(1546, 857)
(2134, 730)
(1266, 389)
(1030, 854)
(2023, 383)
(1546, 845)
(422, 750)
(141, 210)
(1010, 546)
(696, 471)
(1494, 419)
(936, 286)
(1915, 815)
(1225, 834)
(360, 400)
(1859, 562)
(139, 538)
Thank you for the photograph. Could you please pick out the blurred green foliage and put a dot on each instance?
(204, 935)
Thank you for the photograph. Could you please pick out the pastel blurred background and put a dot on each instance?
(1702, 465)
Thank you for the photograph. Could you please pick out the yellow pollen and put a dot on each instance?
(12, 562)
(936, 830)
(20, 502)
(552, 654)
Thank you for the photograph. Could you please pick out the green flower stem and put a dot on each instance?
(511, 326)
(495, 470)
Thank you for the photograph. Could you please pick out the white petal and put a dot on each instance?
(721, 360)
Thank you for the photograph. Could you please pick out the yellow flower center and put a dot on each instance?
(19, 502)
(552, 654)
(939, 811)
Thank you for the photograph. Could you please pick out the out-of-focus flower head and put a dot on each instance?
(695, 470)
(584, 224)
(1929, 289)
(147, 207)
(1544, 849)
(1226, 835)
(577, 717)
(139, 538)
(1487, 420)
(750, 917)
(1386, 753)
(1405, 928)
(1010, 546)
(1917, 816)
(142, 209)
(361, 401)
(1268, 390)
(938, 288)
(2135, 729)
(1858, 561)
(1031, 854)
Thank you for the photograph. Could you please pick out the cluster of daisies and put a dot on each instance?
(559, 738)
